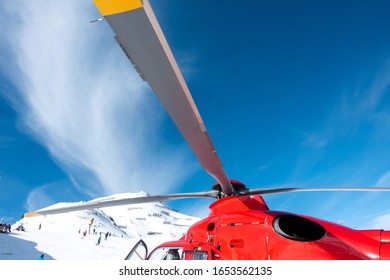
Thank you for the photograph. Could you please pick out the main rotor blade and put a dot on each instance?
(112, 201)
(141, 38)
(262, 191)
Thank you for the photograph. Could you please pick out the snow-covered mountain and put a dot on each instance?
(70, 235)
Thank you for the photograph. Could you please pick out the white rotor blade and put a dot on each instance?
(261, 191)
(141, 38)
(112, 201)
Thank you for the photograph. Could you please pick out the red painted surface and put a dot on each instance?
(242, 227)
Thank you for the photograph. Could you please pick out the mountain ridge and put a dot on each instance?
(58, 235)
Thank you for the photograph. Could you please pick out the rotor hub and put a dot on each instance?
(238, 186)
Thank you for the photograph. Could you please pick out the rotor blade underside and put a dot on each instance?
(141, 38)
(112, 201)
(261, 191)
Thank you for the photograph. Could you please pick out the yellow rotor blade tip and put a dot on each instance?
(110, 7)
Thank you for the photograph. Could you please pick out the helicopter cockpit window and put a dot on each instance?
(195, 255)
(166, 253)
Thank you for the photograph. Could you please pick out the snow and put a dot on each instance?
(60, 236)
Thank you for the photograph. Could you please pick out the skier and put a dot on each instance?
(99, 240)
(90, 224)
(41, 257)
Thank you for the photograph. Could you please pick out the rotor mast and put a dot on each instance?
(140, 36)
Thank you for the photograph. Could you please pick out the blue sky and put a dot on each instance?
(292, 93)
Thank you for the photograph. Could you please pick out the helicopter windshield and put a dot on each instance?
(167, 253)
(195, 255)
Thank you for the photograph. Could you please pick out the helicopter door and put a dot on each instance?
(139, 251)
(241, 237)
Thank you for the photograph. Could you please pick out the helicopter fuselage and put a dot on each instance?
(242, 227)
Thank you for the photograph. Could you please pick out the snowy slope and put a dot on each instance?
(60, 236)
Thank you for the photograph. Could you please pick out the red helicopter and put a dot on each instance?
(240, 224)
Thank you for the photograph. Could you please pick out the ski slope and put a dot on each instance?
(61, 236)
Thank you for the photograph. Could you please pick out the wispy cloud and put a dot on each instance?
(381, 222)
(196, 207)
(6, 139)
(79, 97)
(358, 103)
(384, 180)
(358, 119)
(49, 194)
